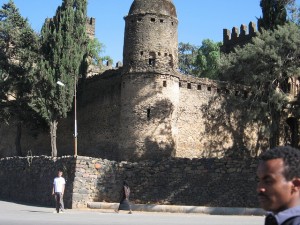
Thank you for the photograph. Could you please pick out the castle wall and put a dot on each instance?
(208, 125)
(166, 181)
(98, 108)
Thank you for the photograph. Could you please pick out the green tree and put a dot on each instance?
(63, 50)
(207, 60)
(18, 54)
(94, 51)
(187, 54)
(265, 66)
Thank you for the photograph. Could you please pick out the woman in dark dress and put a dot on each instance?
(125, 203)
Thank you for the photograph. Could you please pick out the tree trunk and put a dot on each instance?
(18, 139)
(274, 131)
(53, 129)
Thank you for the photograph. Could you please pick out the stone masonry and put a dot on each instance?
(201, 182)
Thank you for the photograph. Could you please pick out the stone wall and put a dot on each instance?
(213, 182)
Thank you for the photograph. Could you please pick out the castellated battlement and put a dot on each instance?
(90, 27)
(237, 36)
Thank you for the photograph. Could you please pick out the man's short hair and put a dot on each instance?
(291, 159)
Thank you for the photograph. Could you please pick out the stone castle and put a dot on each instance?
(146, 109)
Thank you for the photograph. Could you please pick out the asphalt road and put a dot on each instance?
(18, 214)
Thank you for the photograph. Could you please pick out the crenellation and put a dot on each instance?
(238, 37)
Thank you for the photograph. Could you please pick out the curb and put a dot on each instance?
(181, 209)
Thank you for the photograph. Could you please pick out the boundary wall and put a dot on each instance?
(211, 182)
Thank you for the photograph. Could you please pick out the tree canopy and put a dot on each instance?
(265, 66)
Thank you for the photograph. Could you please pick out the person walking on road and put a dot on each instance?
(278, 186)
(58, 191)
(125, 203)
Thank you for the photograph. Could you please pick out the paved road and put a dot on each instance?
(18, 214)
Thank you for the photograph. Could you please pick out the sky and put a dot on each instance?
(198, 19)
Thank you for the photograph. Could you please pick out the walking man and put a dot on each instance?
(58, 191)
(278, 188)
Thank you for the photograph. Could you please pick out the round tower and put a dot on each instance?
(150, 86)
(151, 40)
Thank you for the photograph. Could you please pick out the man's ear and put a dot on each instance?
(296, 184)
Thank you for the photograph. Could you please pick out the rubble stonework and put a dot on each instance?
(167, 181)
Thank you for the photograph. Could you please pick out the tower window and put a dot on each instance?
(165, 83)
(189, 86)
(148, 113)
(161, 20)
(142, 52)
(180, 85)
(139, 19)
(152, 19)
(209, 88)
(198, 87)
(166, 54)
(152, 62)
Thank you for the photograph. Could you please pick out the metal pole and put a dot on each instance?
(75, 118)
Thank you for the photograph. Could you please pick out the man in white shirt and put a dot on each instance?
(58, 191)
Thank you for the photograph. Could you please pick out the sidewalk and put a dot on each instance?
(181, 209)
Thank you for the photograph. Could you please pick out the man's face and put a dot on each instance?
(60, 173)
(274, 191)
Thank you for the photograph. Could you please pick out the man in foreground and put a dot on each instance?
(279, 185)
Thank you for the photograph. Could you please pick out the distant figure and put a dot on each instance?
(278, 188)
(125, 203)
(58, 191)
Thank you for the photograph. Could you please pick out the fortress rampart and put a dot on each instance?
(238, 37)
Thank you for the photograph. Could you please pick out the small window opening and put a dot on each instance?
(236, 93)
(209, 88)
(180, 85)
(165, 83)
(142, 53)
(152, 62)
(139, 19)
(218, 90)
(166, 54)
(148, 113)
(161, 20)
(189, 86)
(199, 87)
(152, 19)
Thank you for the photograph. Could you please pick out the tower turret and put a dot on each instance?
(150, 85)
(151, 39)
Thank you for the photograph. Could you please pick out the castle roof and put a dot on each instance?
(162, 7)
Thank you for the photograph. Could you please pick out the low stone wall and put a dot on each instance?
(30, 179)
(200, 182)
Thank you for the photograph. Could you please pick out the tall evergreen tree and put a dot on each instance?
(18, 54)
(63, 48)
(274, 13)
